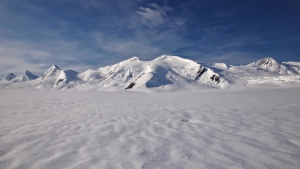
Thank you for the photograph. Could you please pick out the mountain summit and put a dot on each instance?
(28, 76)
(10, 76)
(269, 64)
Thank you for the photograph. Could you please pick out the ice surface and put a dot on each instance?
(250, 128)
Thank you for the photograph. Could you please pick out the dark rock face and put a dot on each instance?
(130, 86)
(60, 80)
(200, 72)
(215, 78)
(10, 77)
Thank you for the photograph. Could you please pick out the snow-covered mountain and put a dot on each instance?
(162, 73)
(56, 78)
(269, 64)
(262, 71)
(27, 76)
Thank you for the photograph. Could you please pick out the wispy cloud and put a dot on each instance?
(154, 15)
(17, 56)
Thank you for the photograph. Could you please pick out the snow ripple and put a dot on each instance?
(228, 129)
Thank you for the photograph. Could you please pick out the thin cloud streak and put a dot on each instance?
(153, 15)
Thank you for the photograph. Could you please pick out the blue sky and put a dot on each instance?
(82, 34)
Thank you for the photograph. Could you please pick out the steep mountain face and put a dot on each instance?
(10, 76)
(162, 73)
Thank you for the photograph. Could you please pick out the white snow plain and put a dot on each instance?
(251, 128)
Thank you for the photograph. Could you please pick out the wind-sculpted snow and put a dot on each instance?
(254, 128)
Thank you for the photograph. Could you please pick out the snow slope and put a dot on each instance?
(253, 128)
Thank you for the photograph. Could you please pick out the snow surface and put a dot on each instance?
(254, 127)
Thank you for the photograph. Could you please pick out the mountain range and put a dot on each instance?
(162, 73)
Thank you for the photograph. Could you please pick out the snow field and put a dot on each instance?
(252, 128)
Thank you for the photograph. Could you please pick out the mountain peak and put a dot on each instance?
(29, 75)
(170, 58)
(54, 67)
(27, 72)
(52, 70)
(10, 76)
(166, 57)
(267, 62)
(132, 59)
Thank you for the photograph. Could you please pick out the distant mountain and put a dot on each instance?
(269, 64)
(162, 73)
(10, 76)
(266, 63)
(262, 71)
(25, 77)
